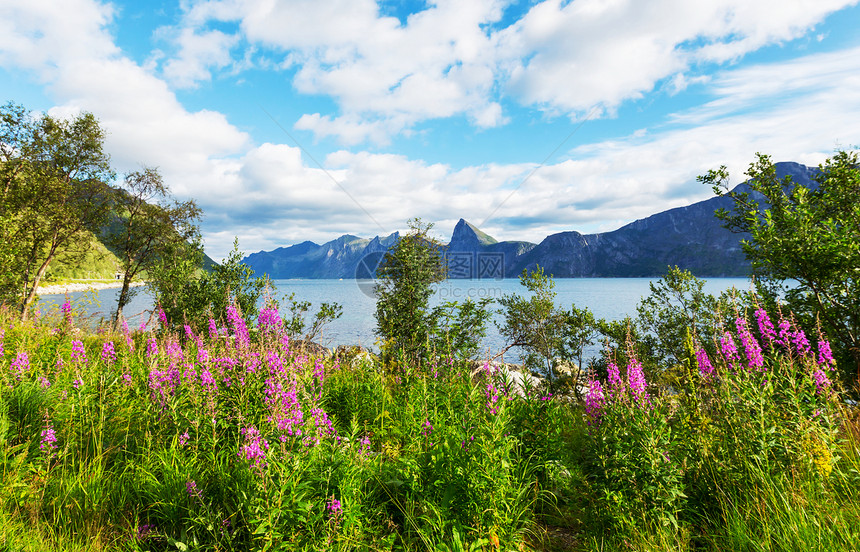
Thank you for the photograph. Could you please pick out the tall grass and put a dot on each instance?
(230, 438)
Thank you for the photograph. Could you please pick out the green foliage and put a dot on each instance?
(191, 296)
(460, 327)
(406, 276)
(804, 244)
(53, 176)
(146, 228)
(547, 334)
(297, 327)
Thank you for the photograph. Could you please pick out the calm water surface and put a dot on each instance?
(610, 298)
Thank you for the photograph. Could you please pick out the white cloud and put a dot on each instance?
(562, 57)
(573, 56)
(198, 53)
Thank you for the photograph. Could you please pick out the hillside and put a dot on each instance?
(689, 237)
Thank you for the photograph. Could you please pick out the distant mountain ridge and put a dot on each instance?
(690, 237)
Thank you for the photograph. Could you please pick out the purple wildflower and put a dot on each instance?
(108, 353)
(801, 344)
(66, 309)
(705, 366)
(595, 401)
(162, 317)
(365, 445)
(127, 379)
(825, 356)
(765, 326)
(784, 327)
(751, 346)
(77, 383)
(49, 439)
(255, 447)
(213, 329)
(79, 354)
(183, 439)
(729, 349)
(44, 382)
(636, 381)
(426, 428)
(193, 491)
(144, 531)
(335, 510)
(616, 384)
(21, 365)
(822, 382)
(208, 381)
(151, 347)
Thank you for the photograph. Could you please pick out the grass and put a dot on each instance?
(229, 439)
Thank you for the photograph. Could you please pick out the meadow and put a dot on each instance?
(232, 437)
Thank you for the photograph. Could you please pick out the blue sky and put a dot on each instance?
(296, 120)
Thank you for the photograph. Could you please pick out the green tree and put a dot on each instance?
(54, 192)
(406, 275)
(147, 226)
(191, 295)
(804, 243)
(549, 335)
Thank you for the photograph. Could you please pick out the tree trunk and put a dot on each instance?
(121, 301)
(31, 294)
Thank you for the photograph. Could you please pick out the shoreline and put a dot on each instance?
(74, 287)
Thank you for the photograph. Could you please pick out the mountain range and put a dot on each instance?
(689, 237)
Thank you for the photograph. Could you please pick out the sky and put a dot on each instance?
(294, 120)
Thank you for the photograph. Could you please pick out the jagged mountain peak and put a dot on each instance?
(466, 237)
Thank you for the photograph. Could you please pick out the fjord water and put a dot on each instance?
(610, 298)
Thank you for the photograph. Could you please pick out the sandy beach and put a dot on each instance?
(81, 286)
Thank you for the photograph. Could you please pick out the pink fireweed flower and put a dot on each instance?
(151, 347)
(162, 317)
(825, 356)
(822, 382)
(21, 365)
(365, 445)
(269, 320)
(426, 428)
(66, 309)
(595, 401)
(49, 439)
(108, 353)
(751, 346)
(705, 366)
(729, 350)
(784, 335)
(193, 492)
(240, 330)
(213, 329)
(636, 381)
(44, 382)
(801, 344)
(335, 510)
(79, 354)
(183, 439)
(765, 326)
(208, 381)
(126, 378)
(188, 333)
(77, 383)
(255, 447)
(202, 356)
(616, 384)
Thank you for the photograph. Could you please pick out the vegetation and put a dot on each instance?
(710, 423)
(52, 192)
(804, 244)
(147, 227)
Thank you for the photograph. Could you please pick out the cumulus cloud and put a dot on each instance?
(454, 58)
(445, 62)
(199, 53)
